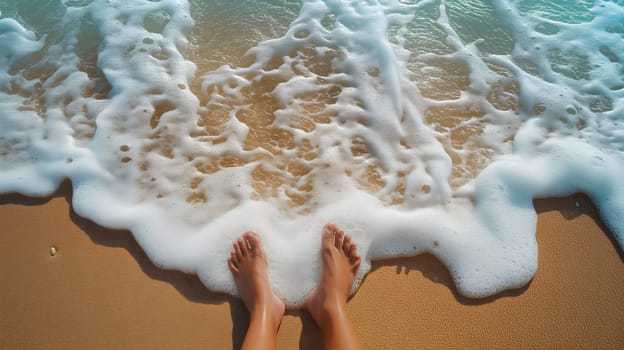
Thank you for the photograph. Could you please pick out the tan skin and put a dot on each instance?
(327, 303)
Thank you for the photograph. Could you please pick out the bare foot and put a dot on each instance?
(340, 263)
(250, 268)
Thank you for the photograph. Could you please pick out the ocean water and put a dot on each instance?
(418, 126)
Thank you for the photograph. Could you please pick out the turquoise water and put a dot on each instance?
(418, 126)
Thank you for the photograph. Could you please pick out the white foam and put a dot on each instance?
(138, 158)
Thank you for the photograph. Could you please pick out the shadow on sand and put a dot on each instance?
(431, 268)
(574, 206)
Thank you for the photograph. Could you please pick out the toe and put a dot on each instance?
(346, 244)
(253, 239)
(356, 264)
(338, 235)
(232, 266)
(354, 258)
(242, 245)
(328, 236)
(234, 258)
(353, 254)
(237, 251)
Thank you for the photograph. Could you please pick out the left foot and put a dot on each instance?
(249, 266)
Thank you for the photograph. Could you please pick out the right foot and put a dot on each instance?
(249, 266)
(340, 263)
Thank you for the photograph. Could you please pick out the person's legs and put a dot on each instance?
(249, 266)
(328, 301)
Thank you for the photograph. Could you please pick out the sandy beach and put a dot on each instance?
(99, 291)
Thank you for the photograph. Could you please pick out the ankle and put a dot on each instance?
(331, 312)
(266, 314)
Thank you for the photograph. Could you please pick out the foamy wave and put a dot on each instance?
(418, 126)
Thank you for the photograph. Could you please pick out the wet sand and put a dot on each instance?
(99, 291)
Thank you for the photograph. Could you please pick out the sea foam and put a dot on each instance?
(418, 126)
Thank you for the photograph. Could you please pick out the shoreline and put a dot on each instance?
(101, 291)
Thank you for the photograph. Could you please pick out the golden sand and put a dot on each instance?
(99, 291)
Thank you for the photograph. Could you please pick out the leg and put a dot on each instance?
(328, 301)
(249, 266)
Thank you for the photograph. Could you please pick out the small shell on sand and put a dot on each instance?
(52, 250)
